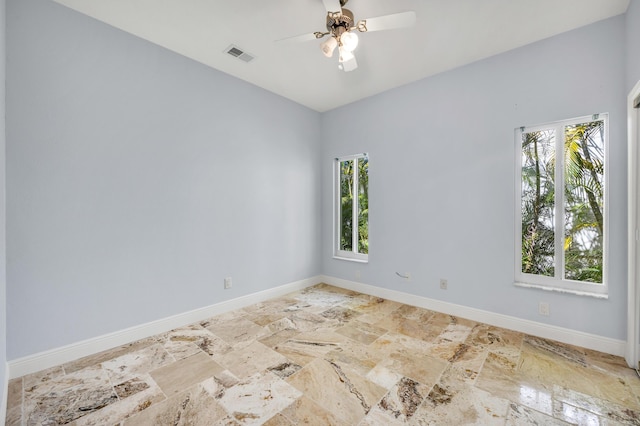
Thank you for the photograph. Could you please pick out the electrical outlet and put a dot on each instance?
(443, 283)
(543, 308)
(358, 274)
(227, 282)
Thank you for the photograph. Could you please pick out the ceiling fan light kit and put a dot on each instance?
(349, 41)
(341, 31)
(345, 55)
(328, 46)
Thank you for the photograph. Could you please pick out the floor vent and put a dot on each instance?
(236, 52)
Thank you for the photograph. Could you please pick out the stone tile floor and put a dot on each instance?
(328, 356)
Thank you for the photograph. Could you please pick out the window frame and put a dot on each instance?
(352, 255)
(558, 282)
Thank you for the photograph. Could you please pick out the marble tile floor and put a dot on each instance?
(328, 356)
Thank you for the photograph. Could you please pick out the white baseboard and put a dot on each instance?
(560, 334)
(43, 360)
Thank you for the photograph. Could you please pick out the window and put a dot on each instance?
(351, 207)
(561, 236)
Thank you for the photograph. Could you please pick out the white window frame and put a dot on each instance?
(337, 253)
(558, 282)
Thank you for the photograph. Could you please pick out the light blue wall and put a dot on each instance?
(3, 277)
(138, 179)
(442, 174)
(633, 43)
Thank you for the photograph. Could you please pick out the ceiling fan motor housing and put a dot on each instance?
(341, 24)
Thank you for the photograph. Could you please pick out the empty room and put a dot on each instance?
(324, 212)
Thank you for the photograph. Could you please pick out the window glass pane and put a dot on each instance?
(537, 204)
(363, 205)
(584, 201)
(346, 205)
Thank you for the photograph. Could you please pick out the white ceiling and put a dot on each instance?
(447, 34)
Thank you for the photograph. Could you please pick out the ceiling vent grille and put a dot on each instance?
(236, 52)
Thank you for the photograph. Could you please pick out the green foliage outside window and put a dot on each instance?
(538, 192)
(351, 170)
(584, 201)
(583, 207)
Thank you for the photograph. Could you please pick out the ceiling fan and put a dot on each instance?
(341, 28)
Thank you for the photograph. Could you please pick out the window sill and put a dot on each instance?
(348, 259)
(563, 290)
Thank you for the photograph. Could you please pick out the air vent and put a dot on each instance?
(236, 52)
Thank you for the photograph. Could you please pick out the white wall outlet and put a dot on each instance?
(358, 274)
(443, 283)
(543, 308)
(227, 282)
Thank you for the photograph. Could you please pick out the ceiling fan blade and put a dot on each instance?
(387, 22)
(332, 6)
(302, 38)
